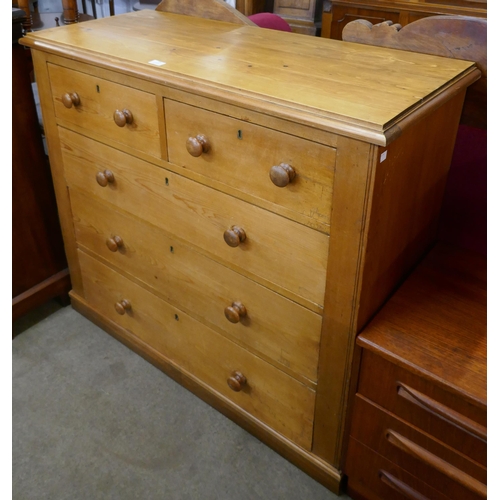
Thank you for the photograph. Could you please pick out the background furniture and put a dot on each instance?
(338, 13)
(39, 268)
(304, 16)
(235, 233)
(421, 428)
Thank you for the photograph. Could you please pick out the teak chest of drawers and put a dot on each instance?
(237, 202)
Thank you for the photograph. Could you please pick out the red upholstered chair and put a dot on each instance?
(270, 21)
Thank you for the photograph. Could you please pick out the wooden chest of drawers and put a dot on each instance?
(419, 417)
(235, 206)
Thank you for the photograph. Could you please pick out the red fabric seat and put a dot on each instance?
(270, 21)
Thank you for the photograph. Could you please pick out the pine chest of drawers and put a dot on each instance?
(237, 202)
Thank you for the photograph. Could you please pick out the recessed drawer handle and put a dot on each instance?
(70, 99)
(281, 175)
(441, 411)
(235, 312)
(436, 463)
(123, 306)
(114, 243)
(123, 117)
(198, 145)
(399, 486)
(234, 236)
(236, 381)
(104, 178)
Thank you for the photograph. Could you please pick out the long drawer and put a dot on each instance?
(445, 469)
(120, 113)
(280, 168)
(283, 255)
(282, 331)
(440, 413)
(373, 477)
(267, 393)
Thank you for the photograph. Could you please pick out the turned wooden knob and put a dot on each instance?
(123, 306)
(282, 174)
(236, 381)
(198, 145)
(234, 236)
(123, 117)
(235, 312)
(114, 243)
(103, 178)
(71, 99)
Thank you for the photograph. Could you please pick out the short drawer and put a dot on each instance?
(285, 256)
(441, 467)
(282, 331)
(268, 394)
(440, 413)
(289, 172)
(372, 477)
(122, 114)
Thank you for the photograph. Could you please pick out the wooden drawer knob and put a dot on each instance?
(235, 311)
(123, 306)
(282, 174)
(70, 99)
(198, 145)
(236, 381)
(114, 243)
(234, 236)
(103, 178)
(123, 117)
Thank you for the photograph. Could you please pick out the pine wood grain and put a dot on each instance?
(200, 216)
(339, 75)
(270, 395)
(275, 328)
(242, 154)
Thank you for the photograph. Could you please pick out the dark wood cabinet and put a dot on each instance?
(39, 268)
(337, 13)
(418, 427)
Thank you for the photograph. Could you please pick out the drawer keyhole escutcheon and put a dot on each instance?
(70, 99)
(124, 117)
(281, 175)
(104, 178)
(123, 306)
(234, 236)
(236, 381)
(114, 243)
(235, 312)
(198, 145)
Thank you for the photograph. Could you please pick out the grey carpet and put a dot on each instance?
(93, 420)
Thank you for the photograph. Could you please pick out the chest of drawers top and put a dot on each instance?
(360, 91)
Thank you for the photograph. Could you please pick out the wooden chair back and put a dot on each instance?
(464, 211)
(217, 10)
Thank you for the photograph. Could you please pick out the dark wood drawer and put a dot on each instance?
(440, 466)
(371, 476)
(439, 413)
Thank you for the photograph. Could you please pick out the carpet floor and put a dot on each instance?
(93, 420)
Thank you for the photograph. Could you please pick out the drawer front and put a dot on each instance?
(373, 477)
(245, 156)
(271, 325)
(285, 256)
(270, 395)
(97, 102)
(441, 467)
(439, 413)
